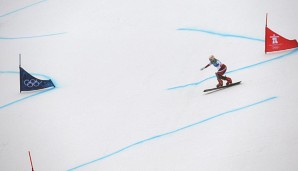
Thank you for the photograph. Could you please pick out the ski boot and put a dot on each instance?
(220, 83)
(229, 81)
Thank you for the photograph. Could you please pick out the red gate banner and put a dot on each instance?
(275, 42)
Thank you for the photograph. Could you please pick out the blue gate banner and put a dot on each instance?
(30, 83)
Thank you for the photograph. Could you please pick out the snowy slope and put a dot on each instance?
(129, 90)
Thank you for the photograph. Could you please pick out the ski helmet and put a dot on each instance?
(212, 59)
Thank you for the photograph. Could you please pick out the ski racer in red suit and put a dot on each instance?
(222, 68)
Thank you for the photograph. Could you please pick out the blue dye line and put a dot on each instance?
(266, 61)
(9, 72)
(20, 9)
(221, 34)
(27, 37)
(171, 132)
(236, 70)
(31, 37)
(16, 72)
(16, 101)
(228, 35)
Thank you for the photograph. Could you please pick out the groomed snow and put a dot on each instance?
(129, 93)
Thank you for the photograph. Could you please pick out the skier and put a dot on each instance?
(222, 68)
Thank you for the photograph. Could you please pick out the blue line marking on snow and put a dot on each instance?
(33, 95)
(239, 69)
(266, 61)
(221, 34)
(20, 9)
(16, 72)
(171, 132)
(228, 35)
(31, 37)
(16, 101)
(34, 74)
(9, 72)
(28, 37)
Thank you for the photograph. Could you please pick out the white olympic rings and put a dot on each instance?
(32, 82)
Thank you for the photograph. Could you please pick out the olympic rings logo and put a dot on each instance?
(32, 83)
